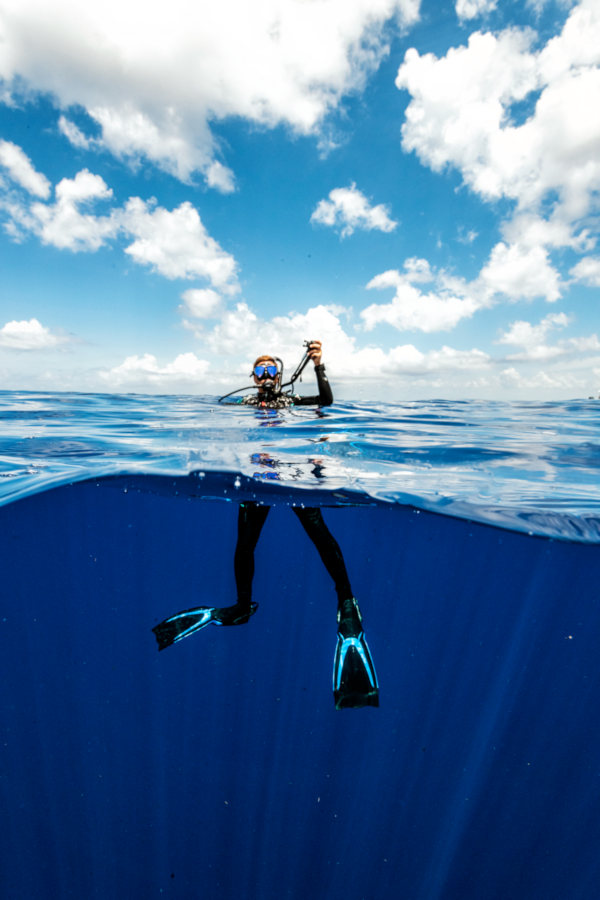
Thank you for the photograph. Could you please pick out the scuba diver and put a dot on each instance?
(354, 679)
(267, 373)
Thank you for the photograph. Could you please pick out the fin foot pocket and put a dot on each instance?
(234, 615)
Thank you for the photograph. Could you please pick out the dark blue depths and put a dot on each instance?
(220, 768)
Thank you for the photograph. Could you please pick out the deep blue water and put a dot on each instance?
(220, 767)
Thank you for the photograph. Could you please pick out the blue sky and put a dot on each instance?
(185, 185)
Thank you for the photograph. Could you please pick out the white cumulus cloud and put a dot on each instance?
(21, 170)
(348, 210)
(412, 309)
(74, 135)
(155, 80)
(201, 303)
(176, 244)
(532, 338)
(587, 270)
(28, 335)
(471, 9)
(241, 332)
(407, 360)
(63, 224)
(520, 273)
(512, 272)
(532, 341)
(145, 370)
(241, 335)
(461, 115)
(524, 334)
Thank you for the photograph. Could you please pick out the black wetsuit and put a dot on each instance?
(252, 517)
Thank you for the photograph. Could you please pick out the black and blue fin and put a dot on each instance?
(354, 678)
(188, 622)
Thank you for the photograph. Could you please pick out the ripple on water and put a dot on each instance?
(533, 467)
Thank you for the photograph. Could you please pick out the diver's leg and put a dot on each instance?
(327, 547)
(354, 677)
(251, 518)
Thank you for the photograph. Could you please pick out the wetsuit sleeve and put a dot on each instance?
(325, 396)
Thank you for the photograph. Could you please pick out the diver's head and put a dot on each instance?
(266, 374)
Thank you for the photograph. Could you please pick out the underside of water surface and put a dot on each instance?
(220, 767)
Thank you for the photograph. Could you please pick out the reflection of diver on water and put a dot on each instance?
(354, 678)
(270, 466)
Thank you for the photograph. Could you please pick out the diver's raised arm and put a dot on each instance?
(325, 396)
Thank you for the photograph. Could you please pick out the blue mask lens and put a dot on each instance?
(262, 371)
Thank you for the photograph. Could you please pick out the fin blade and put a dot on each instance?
(182, 625)
(354, 677)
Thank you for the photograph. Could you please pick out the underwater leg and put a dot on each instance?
(251, 518)
(354, 678)
(327, 548)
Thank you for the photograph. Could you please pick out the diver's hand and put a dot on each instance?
(315, 352)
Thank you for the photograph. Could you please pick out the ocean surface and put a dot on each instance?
(220, 767)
